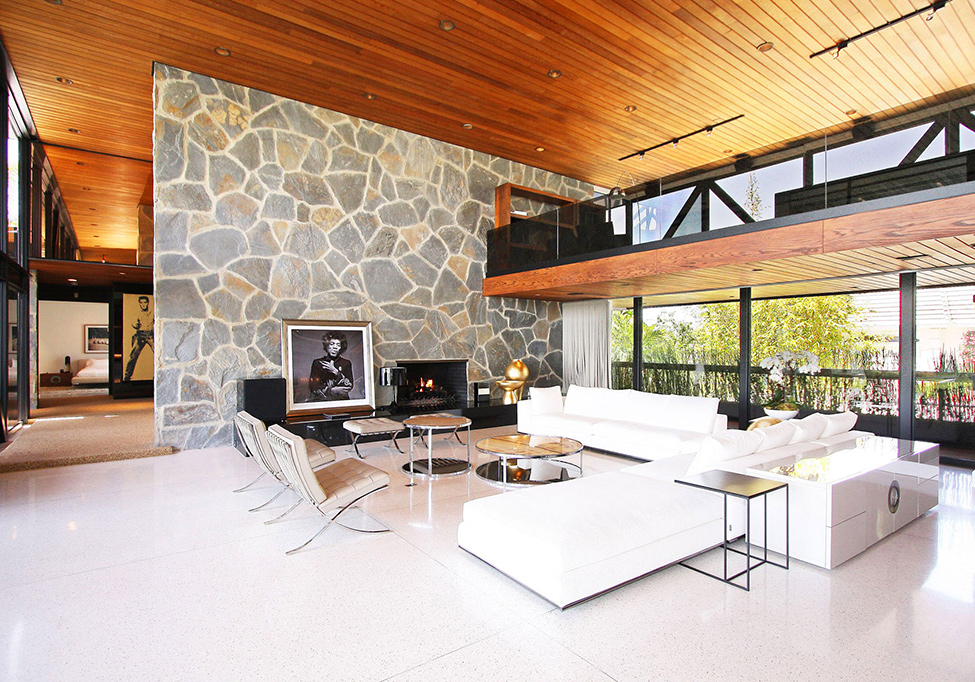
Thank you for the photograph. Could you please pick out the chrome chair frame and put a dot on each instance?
(253, 434)
(289, 451)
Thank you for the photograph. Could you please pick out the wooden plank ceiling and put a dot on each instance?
(682, 65)
(807, 258)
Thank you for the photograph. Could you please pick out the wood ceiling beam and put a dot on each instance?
(819, 249)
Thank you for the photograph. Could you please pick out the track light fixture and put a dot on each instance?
(843, 44)
(674, 141)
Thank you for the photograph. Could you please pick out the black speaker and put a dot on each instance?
(265, 399)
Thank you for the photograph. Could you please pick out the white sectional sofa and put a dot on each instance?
(573, 540)
(649, 426)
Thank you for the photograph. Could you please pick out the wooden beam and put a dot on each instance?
(836, 247)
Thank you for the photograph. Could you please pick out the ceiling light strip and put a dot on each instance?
(674, 141)
(843, 44)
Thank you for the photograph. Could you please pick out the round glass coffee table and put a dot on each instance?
(528, 460)
(434, 467)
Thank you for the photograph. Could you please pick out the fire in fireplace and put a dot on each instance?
(433, 385)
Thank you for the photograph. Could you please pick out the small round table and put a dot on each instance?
(435, 467)
(527, 460)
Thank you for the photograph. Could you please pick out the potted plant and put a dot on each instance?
(782, 369)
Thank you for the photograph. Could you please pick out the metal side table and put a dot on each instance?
(746, 488)
(435, 467)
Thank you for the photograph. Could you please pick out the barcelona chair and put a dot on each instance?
(336, 486)
(254, 436)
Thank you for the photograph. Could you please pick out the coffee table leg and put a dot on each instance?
(430, 451)
(468, 447)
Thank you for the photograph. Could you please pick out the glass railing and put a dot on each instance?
(846, 169)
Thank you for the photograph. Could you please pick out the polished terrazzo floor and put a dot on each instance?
(152, 569)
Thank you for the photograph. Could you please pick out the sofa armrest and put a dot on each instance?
(524, 416)
(720, 423)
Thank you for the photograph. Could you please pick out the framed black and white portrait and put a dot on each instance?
(327, 365)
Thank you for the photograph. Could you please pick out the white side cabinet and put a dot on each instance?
(847, 496)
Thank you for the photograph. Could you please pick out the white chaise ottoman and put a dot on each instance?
(573, 540)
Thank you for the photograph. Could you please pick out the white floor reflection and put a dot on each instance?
(954, 572)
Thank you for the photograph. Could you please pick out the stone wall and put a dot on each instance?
(269, 209)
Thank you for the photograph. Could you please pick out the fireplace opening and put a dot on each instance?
(433, 385)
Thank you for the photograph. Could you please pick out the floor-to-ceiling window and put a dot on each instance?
(945, 364)
(16, 162)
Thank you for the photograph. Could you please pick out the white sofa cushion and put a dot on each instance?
(567, 425)
(652, 437)
(669, 469)
(621, 512)
(546, 400)
(601, 403)
(691, 413)
(641, 407)
(808, 428)
(775, 436)
(686, 413)
(729, 445)
(839, 423)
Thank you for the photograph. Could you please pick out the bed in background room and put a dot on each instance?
(91, 373)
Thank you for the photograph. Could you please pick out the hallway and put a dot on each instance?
(78, 427)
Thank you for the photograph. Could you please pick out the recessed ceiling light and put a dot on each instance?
(539, 149)
(81, 163)
(629, 108)
(121, 273)
(727, 151)
(72, 280)
(466, 126)
(87, 189)
(53, 2)
(64, 81)
(91, 208)
(369, 95)
(447, 25)
(221, 51)
(765, 47)
(554, 73)
(851, 112)
(74, 130)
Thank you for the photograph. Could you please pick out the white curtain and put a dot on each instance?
(585, 342)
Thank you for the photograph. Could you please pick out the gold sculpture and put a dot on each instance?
(515, 376)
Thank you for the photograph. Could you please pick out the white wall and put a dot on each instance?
(61, 331)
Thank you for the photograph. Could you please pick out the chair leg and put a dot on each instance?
(300, 547)
(457, 436)
(359, 530)
(392, 439)
(278, 518)
(240, 490)
(280, 493)
(329, 523)
(355, 444)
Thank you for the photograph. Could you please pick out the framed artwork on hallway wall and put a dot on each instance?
(138, 323)
(96, 338)
(328, 366)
